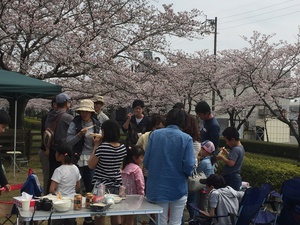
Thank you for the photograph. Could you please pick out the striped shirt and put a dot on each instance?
(108, 167)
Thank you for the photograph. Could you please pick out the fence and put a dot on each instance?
(35, 142)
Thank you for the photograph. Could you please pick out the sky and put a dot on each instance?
(236, 18)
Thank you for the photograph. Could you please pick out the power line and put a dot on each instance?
(247, 12)
(259, 14)
(232, 9)
(259, 20)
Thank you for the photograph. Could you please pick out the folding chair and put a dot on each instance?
(32, 185)
(290, 207)
(250, 205)
(6, 207)
(268, 213)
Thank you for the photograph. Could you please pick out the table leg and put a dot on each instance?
(157, 219)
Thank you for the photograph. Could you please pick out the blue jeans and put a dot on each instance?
(176, 211)
(87, 176)
(233, 180)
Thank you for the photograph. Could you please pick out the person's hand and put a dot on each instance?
(8, 187)
(83, 131)
(224, 151)
(129, 115)
(97, 140)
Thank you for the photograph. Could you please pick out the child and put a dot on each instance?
(208, 158)
(132, 176)
(66, 178)
(206, 165)
(222, 199)
(233, 160)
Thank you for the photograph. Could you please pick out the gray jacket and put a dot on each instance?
(225, 200)
(62, 125)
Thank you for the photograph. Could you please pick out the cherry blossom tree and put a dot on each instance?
(88, 46)
(274, 74)
(262, 74)
(187, 77)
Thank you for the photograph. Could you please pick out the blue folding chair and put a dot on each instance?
(290, 207)
(32, 186)
(250, 205)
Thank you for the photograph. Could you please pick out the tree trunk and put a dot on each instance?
(21, 104)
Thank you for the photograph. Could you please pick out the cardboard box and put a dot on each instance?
(18, 201)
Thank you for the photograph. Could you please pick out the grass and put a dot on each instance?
(20, 177)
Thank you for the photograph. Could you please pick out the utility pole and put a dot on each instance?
(213, 24)
(213, 101)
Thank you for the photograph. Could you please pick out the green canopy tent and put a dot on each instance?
(17, 86)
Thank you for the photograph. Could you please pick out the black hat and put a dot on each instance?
(215, 180)
(178, 105)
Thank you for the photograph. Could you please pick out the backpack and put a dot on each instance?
(49, 133)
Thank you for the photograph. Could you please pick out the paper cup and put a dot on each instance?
(25, 204)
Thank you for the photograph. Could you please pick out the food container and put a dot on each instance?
(62, 205)
(109, 199)
(117, 199)
(112, 199)
(96, 135)
(99, 207)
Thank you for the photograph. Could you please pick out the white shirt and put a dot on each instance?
(66, 176)
(102, 117)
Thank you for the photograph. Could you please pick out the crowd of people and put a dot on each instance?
(155, 160)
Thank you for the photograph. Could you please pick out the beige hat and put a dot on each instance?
(86, 105)
(98, 98)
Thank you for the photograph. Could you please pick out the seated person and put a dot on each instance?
(222, 199)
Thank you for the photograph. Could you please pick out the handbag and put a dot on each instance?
(194, 181)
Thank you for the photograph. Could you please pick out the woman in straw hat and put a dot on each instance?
(81, 133)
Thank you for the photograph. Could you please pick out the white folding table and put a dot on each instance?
(132, 205)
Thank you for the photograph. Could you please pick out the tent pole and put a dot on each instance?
(15, 136)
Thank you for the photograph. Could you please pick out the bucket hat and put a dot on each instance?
(86, 105)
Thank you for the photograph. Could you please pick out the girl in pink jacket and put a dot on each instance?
(132, 176)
